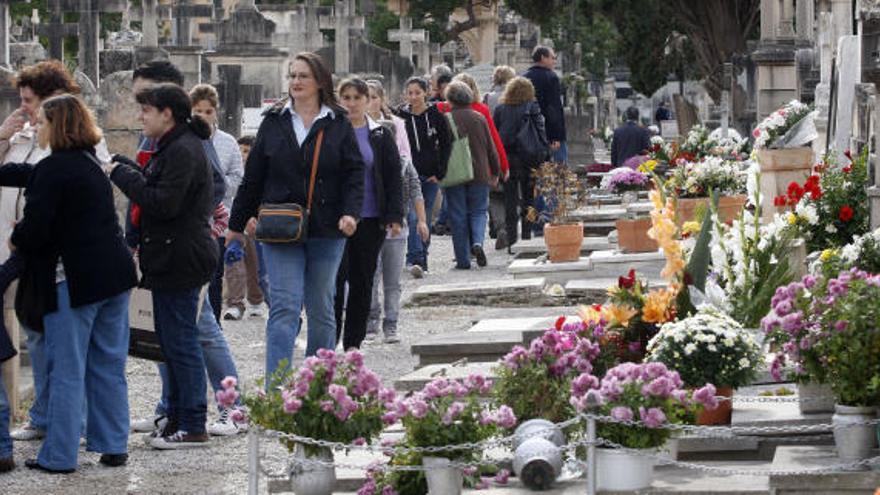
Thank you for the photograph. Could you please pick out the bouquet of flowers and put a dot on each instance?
(561, 191)
(649, 393)
(831, 207)
(628, 180)
(696, 179)
(862, 253)
(788, 126)
(669, 154)
(707, 347)
(332, 397)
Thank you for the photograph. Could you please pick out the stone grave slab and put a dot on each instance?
(796, 458)
(475, 346)
(595, 290)
(529, 328)
(697, 448)
(599, 227)
(608, 263)
(772, 414)
(524, 291)
(639, 208)
(420, 377)
(554, 273)
(593, 214)
(535, 246)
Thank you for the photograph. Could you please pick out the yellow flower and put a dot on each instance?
(827, 254)
(620, 315)
(657, 306)
(589, 314)
(648, 166)
(691, 227)
(792, 219)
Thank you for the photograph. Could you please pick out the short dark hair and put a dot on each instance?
(444, 79)
(46, 78)
(160, 71)
(247, 140)
(540, 52)
(357, 83)
(174, 98)
(632, 113)
(418, 81)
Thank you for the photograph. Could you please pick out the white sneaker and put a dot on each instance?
(180, 440)
(256, 310)
(416, 271)
(147, 425)
(232, 313)
(225, 426)
(27, 432)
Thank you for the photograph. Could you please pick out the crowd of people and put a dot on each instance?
(330, 201)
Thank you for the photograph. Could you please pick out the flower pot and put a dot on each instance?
(729, 207)
(311, 479)
(721, 414)
(854, 442)
(618, 470)
(538, 462)
(815, 398)
(778, 169)
(564, 241)
(632, 236)
(443, 479)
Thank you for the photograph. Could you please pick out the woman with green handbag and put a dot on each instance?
(473, 167)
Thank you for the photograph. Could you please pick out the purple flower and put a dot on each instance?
(783, 307)
(229, 382)
(483, 484)
(654, 370)
(706, 396)
(793, 322)
(389, 418)
(452, 412)
(388, 490)
(469, 470)
(418, 408)
(809, 281)
(291, 406)
(582, 383)
(238, 416)
(622, 413)
(354, 358)
(502, 477)
(505, 418)
(653, 417)
(839, 325)
(359, 441)
(659, 387)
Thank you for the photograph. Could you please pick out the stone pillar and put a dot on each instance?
(89, 31)
(874, 178)
(805, 13)
(56, 34)
(4, 33)
(182, 30)
(148, 23)
(823, 89)
(848, 75)
(230, 99)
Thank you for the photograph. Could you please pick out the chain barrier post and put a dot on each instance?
(253, 462)
(591, 455)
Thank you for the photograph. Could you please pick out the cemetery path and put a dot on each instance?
(222, 467)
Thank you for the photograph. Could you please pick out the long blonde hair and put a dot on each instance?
(471, 82)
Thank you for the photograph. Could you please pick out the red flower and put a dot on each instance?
(780, 201)
(846, 213)
(848, 154)
(559, 322)
(847, 169)
(627, 282)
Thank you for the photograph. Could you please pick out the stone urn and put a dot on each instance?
(854, 441)
(443, 478)
(307, 477)
(779, 168)
(729, 208)
(564, 241)
(632, 236)
(537, 460)
(720, 415)
(617, 470)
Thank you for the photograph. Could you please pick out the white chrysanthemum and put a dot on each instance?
(830, 229)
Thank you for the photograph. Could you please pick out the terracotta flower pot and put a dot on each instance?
(729, 207)
(721, 414)
(632, 236)
(564, 241)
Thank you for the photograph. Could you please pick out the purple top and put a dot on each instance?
(371, 206)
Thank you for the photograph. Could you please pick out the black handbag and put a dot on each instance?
(288, 223)
(531, 147)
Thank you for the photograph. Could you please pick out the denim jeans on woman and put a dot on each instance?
(87, 347)
(468, 215)
(301, 275)
(175, 313)
(218, 359)
(417, 250)
(5, 439)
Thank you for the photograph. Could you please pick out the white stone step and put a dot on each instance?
(554, 273)
(797, 458)
(475, 346)
(773, 414)
(536, 246)
(608, 263)
(595, 290)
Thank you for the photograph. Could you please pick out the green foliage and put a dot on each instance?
(533, 392)
(379, 23)
(433, 16)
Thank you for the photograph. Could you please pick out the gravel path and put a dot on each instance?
(222, 468)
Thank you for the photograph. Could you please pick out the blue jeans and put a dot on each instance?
(175, 313)
(416, 250)
(292, 269)
(443, 215)
(561, 155)
(5, 439)
(218, 359)
(87, 347)
(261, 272)
(36, 344)
(468, 215)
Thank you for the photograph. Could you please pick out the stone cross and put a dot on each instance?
(306, 29)
(56, 30)
(342, 22)
(4, 33)
(406, 35)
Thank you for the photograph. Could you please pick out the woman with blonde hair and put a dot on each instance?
(517, 109)
(500, 77)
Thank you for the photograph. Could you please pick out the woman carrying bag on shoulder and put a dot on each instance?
(304, 181)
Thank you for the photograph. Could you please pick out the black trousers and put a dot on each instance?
(215, 290)
(519, 194)
(358, 267)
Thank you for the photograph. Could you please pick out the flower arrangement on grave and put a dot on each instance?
(782, 128)
(831, 207)
(628, 180)
(828, 332)
(707, 347)
(749, 260)
(710, 174)
(332, 397)
(862, 253)
(561, 191)
(648, 393)
(665, 156)
(445, 412)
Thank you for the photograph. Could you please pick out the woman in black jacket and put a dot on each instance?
(382, 209)
(277, 171)
(78, 273)
(517, 110)
(430, 142)
(177, 253)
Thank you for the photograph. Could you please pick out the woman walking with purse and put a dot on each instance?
(307, 173)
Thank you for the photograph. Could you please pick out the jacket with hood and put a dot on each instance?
(430, 140)
(386, 173)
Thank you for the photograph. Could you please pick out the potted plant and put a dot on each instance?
(445, 412)
(708, 347)
(332, 397)
(561, 193)
(692, 182)
(648, 394)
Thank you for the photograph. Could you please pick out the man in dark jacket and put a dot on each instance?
(630, 139)
(548, 91)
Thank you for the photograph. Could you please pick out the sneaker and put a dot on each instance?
(6, 464)
(27, 433)
(391, 335)
(256, 310)
(370, 337)
(163, 428)
(232, 313)
(225, 426)
(479, 254)
(150, 424)
(113, 460)
(416, 271)
(180, 440)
